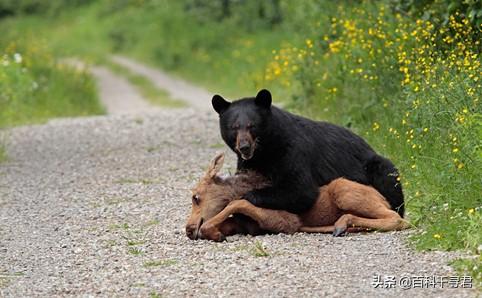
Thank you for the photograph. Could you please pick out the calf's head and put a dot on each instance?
(210, 195)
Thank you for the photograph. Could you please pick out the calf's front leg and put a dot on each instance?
(276, 221)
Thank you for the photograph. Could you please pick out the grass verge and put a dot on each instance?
(470, 267)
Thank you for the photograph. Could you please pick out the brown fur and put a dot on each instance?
(341, 204)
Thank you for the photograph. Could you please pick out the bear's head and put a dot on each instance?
(244, 123)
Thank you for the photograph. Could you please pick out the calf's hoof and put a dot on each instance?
(210, 232)
(217, 237)
(339, 232)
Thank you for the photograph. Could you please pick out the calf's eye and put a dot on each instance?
(195, 199)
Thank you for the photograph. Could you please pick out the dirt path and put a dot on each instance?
(177, 88)
(96, 207)
(118, 95)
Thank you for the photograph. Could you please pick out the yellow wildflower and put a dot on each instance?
(335, 46)
(375, 126)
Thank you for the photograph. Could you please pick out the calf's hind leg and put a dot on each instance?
(363, 206)
(354, 223)
(390, 223)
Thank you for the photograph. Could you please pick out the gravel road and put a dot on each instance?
(96, 206)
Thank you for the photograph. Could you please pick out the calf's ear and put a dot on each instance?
(263, 99)
(220, 104)
(215, 166)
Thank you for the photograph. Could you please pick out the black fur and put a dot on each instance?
(299, 155)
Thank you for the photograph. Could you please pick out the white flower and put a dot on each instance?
(17, 57)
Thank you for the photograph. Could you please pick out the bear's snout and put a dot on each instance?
(245, 144)
(244, 147)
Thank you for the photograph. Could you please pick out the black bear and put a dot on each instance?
(299, 155)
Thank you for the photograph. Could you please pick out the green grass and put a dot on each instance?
(6, 278)
(258, 250)
(152, 222)
(135, 181)
(154, 294)
(116, 200)
(135, 242)
(124, 226)
(135, 251)
(146, 88)
(470, 267)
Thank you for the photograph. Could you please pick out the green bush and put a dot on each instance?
(35, 87)
(439, 11)
(26, 7)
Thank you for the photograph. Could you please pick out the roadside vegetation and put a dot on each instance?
(406, 75)
(34, 87)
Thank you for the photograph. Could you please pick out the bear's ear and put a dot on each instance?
(263, 99)
(220, 104)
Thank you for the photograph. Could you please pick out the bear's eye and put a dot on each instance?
(235, 126)
(250, 125)
(195, 199)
